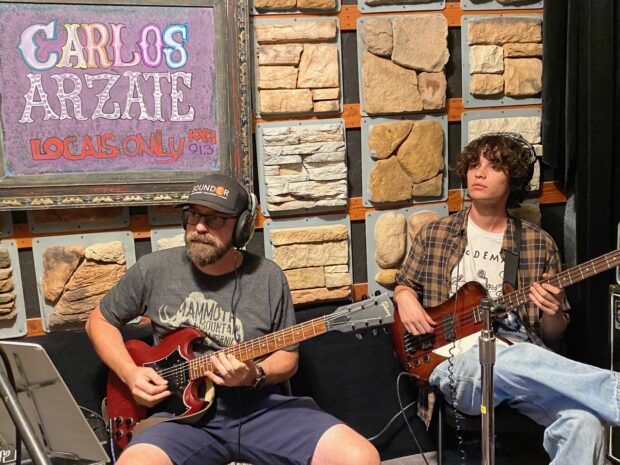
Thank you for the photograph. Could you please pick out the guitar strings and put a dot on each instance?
(204, 362)
(519, 297)
(512, 298)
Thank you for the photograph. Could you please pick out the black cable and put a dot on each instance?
(400, 404)
(458, 418)
(389, 423)
(236, 338)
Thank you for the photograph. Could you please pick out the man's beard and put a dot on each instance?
(203, 250)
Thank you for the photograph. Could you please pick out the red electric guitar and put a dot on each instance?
(192, 392)
(461, 316)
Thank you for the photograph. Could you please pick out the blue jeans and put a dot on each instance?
(572, 400)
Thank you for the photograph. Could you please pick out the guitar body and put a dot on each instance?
(187, 399)
(454, 322)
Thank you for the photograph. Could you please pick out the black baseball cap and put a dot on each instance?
(219, 192)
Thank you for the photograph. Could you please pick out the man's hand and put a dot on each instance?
(412, 315)
(146, 386)
(231, 372)
(546, 297)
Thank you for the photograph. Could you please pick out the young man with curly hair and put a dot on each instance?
(572, 400)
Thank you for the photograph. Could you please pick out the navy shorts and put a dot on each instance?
(260, 427)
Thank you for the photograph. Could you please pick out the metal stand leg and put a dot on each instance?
(38, 455)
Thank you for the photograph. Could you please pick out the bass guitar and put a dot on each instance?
(191, 392)
(460, 317)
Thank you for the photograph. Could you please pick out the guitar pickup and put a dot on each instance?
(448, 328)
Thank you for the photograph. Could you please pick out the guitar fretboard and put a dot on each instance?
(561, 280)
(260, 346)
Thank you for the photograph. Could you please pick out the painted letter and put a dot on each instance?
(28, 47)
(97, 48)
(117, 44)
(104, 95)
(157, 93)
(177, 96)
(72, 48)
(35, 85)
(74, 95)
(134, 88)
(145, 45)
(174, 46)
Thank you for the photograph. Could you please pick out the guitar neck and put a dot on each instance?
(565, 278)
(263, 345)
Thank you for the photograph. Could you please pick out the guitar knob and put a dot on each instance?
(416, 362)
(129, 421)
(118, 421)
(129, 435)
(427, 358)
(118, 434)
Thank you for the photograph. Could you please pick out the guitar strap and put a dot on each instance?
(511, 267)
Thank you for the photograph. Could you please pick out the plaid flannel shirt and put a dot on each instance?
(439, 246)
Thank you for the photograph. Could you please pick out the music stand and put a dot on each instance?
(56, 424)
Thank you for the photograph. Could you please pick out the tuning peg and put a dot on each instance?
(359, 336)
(374, 331)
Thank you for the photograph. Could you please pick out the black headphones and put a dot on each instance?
(244, 229)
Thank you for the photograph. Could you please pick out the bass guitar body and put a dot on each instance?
(456, 318)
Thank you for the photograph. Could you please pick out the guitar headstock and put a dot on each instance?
(370, 313)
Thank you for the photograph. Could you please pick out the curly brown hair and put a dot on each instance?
(509, 153)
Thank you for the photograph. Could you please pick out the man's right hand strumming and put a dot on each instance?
(146, 386)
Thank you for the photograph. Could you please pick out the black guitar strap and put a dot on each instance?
(511, 267)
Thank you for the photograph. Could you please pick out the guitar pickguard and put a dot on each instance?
(178, 380)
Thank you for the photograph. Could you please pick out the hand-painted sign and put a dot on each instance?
(100, 89)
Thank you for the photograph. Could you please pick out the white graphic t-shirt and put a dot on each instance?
(481, 262)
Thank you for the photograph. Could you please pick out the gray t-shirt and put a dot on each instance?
(166, 287)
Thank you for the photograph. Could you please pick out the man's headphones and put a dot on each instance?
(244, 229)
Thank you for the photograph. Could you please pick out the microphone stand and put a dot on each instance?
(487, 359)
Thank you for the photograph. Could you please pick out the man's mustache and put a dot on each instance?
(202, 238)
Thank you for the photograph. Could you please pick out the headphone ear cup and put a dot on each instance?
(244, 229)
(184, 220)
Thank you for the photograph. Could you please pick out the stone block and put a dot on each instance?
(390, 238)
(421, 154)
(298, 32)
(523, 77)
(285, 54)
(377, 36)
(486, 84)
(421, 42)
(319, 66)
(304, 278)
(280, 237)
(277, 77)
(501, 30)
(312, 254)
(388, 182)
(389, 88)
(432, 88)
(285, 101)
(385, 138)
(486, 59)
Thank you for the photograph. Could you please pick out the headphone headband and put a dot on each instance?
(515, 137)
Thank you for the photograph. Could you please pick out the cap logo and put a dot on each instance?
(210, 189)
